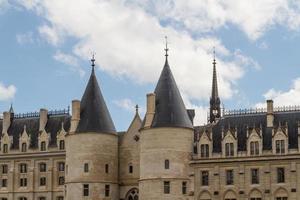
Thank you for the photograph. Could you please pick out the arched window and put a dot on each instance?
(43, 146)
(5, 148)
(61, 145)
(167, 164)
(132, 194)
(130, 169)
(24, 147)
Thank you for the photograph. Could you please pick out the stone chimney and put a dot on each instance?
(270, 113)
(6, 121)
(150, 110)
(43, 119)
(75, 115)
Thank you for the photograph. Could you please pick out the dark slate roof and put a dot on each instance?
(170, 110)
(53, 126)
(242, 121)
(94, 115)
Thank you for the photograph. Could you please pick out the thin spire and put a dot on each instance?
(93, 62)
(11, 109)
(214, 93)
(136, 108)
(166, 49)
(214, 62)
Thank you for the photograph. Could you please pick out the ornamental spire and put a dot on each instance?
(93, 62)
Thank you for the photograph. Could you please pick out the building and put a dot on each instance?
(250, 154)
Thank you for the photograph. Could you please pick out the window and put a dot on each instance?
(23, 168)
(254, 176)
(184, 187)
(107, 190)
(61, 166)
(257, 198)
(280, 175)
(5, 148)
(85, 190)
(22, 198)
(229, 177)
(204, 178)
(3, 198)
(61, 145)
(24, 147)
(195, 149)
(42, 198)
(167, 187)
(43, 167)
(42, 181)
(130, 169)
(254, 148)
(4, 169)
(280, 146)
(167, 164)
(86, 167)
(43, 146)
(204, 150)
(281, 198)
(23, 182)
(61, 180)
(229, 149)
(4, 182)
(60, 198)
(106, 168)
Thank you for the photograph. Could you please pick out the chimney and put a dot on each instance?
(43, 118)
(75, 115)
(6, 122)
(150, 110)
(270, 113)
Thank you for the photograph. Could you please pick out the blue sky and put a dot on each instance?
(46, 46)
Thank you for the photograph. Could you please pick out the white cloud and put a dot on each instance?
(4, 5)
(7, 92)
(25, 38)
(128, 105)
(284, 98)
(50, 34)
(71, 61)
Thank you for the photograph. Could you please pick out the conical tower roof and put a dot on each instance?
(94, 115)
(170, 110)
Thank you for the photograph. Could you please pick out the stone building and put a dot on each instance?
(250, 154)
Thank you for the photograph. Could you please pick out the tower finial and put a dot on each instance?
(93, 60)
(214, 52)
(166, 49)
(136, 108)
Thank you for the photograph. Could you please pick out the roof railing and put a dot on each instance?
(37, 114)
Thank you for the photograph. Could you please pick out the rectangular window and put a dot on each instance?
(280, 175)
(229, 177)
(107, 190)
(4, 169)
(43, 146)
(280, 146)
(204, 150)
(43, 167)
(229, 149)
(184, 187)
(254, 148)
(24, 147)
(4, 183)
(254, 176)
(86, 167)
(106, 168)
(60, 198)
(167, 187)
(23, 168)
(85, 190)
(204, 178)
(167, 164)
(281, 198)
(61, 145)
(257, 198)
(23, 182)
(42, 198)
(61, 166)
(61, 180)
(130, 169)
(5, 148)
(42, 181)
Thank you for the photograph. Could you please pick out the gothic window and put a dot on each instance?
(280, 146)
(61, 180)
(204, 178)
(229, 177)
(229, 149)
(43, 146)
(204, 150)
(43, 167)
(167, 187)
(61, 145)
(254, 176)
(86, 190)
(61, 166)
(24, 147)
(23, 168)
(167, 164)
(184, 187)
(133, 194)
(4, 183)
(5, 148)
(107, 190)
(280, 175)
(42, 181)
(4, 169)
(254, 148)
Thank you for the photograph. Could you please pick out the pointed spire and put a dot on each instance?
(136, 108)
(215, 109)
(93, 62)
(11, 109)
(94, 115)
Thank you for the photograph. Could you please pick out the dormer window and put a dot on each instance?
(5, 148)
(229, 149)
(61, 145)
(43, 146)
(280, 146)
(24, 147)
(204, 150)
(254, 148)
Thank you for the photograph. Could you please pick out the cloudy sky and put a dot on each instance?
(46, 46)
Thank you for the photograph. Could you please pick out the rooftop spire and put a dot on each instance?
(166, 49)
(215, 108)
(136, 108)
(11, 109)
(93, 62)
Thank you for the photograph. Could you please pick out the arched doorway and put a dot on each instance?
(132, 194)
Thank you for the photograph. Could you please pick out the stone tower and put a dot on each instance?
(215, 108)
(91, 148)
(166, 142)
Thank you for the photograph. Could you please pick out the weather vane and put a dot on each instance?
(166, 49)
(93, 59)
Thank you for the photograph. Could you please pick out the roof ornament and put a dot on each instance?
(166, 49)
(214, 52)
(11, 109)
(136, 108)
(93, 60)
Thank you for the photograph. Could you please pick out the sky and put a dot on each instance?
(46, 47)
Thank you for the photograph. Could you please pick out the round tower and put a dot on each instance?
(166, 143)
(91, 148)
